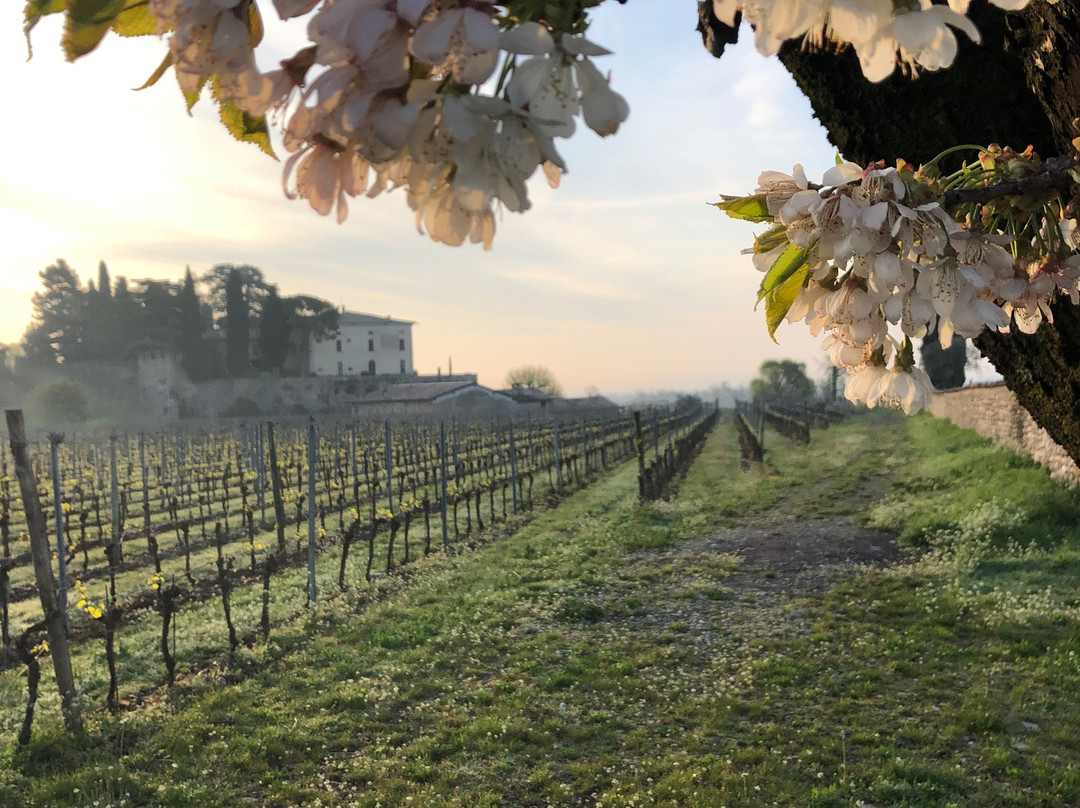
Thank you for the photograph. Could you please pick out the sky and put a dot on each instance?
(624, 279)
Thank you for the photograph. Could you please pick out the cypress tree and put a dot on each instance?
(236, 325)
(104, 284)
(274, 331)
(193, 356)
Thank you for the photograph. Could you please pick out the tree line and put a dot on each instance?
(228, 322)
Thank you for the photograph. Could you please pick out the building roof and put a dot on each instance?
(419, 391)
(526, 394)
(359, 318)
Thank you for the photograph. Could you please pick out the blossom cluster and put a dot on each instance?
(915, 34)
(871, 252)
(402, 99)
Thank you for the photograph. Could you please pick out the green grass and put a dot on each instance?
(600, 655)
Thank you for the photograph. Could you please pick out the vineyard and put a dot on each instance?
(260, 518)
(793, 422)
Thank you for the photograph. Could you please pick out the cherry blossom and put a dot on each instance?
(871, 264)
(882, 33)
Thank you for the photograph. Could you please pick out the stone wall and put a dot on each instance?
(247, 398)
(992, 410)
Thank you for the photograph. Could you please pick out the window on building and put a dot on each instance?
(371, 367)
(340, 369)
(371, 344)
(402, 365)
(339, 346)
(401, 344)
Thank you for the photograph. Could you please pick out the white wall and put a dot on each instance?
(355, 355)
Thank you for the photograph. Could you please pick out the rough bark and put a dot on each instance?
(1021, 86)
(55, 618)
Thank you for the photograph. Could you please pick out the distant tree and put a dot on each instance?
(783, 379)
(59, 401)
(98, 337)
(157, 323)
(7, 374)
(237, 337)
(104, 284)
(687, 402)
(537, 377)
(291, 321)
(95, 333)
(56, 329)
(124, 315)
(252, 282)
(831, 384)
(311, 317)
(274, 331)
(198, 362)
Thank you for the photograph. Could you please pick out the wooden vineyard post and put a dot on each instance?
(55, 439)
(389, 469)
(355, 473)
(312, 457)
(260, 460)
(275, 484)
(555, 444)
(151, 539)
(584, 449)
(55, 626)
(656, 434)
(513, 467)
(114, 478)
(442, 479)
(180, 477)
(639, 439)
(458, 471)
(162, 460)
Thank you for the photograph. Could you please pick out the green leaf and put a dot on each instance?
(253, 19)
(770, 239)
(192, 98)
(86, 23)
(135, 20)
(791, 260)
(778, 301)
(166, 63)
(750, 208)
(246, 127)
(34, 11)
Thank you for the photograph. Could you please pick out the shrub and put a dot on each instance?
(59, 401)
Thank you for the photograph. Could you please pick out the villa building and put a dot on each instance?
(365, 345)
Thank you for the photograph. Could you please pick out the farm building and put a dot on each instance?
(466, 398)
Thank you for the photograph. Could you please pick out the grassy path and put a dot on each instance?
(885, 618)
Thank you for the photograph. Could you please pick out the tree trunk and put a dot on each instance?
(55, 619)
(1021, 86)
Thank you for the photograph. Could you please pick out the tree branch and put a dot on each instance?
(1055, 173)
